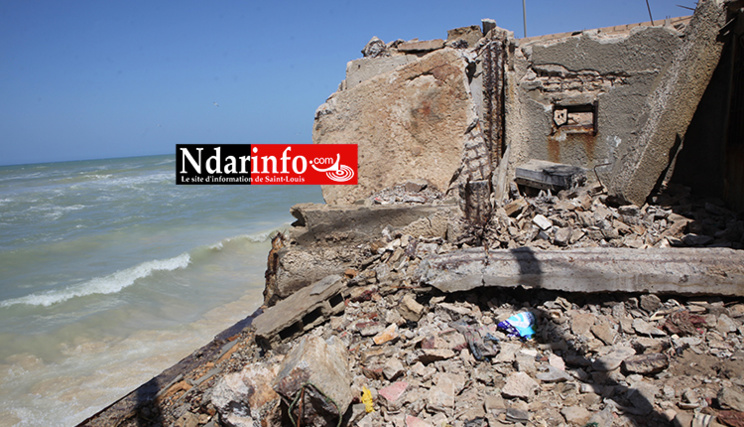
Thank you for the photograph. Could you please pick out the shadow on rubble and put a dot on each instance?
(614, 391)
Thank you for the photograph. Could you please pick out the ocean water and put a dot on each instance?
(110, 273)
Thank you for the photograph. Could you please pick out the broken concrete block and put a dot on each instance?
(390, 333)
(612, 360)
(515, 207)
(392, 394)
(429, 355)
(320, 368)
(730, 397)
(562, 236)
(410, 309)
(361, 70)
(421, 46)
(469, 35)
(393, 369)
(375, 48)
(487, 25)
(412, 421)
(646, 364)
(644, 328)
(576, 415)
(301, 311)
(239, 397)
(542, 222)
(548, 175)
(519, 385)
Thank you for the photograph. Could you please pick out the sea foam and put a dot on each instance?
(109, 284)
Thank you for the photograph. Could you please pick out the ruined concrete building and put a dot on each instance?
(631, 106)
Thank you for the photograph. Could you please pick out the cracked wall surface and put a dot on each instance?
(610, 74)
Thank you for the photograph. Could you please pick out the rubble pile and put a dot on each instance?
(393, 350)
(617, 360)
(586, 217)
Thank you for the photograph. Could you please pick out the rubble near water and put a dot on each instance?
(427, 358)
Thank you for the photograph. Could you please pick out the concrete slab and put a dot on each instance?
(301, 311)
(717, 271)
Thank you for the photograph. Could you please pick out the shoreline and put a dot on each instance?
(138, 402)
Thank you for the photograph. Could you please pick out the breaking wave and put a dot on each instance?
(109, 284)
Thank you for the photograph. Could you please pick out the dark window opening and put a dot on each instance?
(580, 118)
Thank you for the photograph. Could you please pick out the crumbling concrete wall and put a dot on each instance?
(409, 109)
(617, 100)
(670, 106)
(576, 100)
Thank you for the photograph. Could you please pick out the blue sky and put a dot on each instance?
(100, 79)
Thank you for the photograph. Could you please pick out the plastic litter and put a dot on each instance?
(367, 400)
(520, 325)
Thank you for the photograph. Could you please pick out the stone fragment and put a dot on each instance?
(650, 302)
(644, 328)
(390, 333)
(736, 310)
(557, 362)
(441, 397)
(392, 393)
(562, 236)
(525, 361)
(649, 345)
(375, 48)
(646, 364)
(519, 385)
(604, 332)
(240, 396)
(516, 415)
(464, 36)
(324, 365)
(582, 323)
(410, 309)
(641, 395)
(612, 361)
(725, 324)
(542, 222)
(515, 207)
(369, 329)
(412, 421)
(553, 375)
(429, 355)
(576, 415)
(393, 369)
(731, 398)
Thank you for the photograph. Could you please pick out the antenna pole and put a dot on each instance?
(524, 15)
(649, 13)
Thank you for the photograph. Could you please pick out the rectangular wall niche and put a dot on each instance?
(580, 118)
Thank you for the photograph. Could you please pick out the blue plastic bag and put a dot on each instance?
(520, 325)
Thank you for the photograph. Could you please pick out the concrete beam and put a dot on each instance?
(670, 106)
(717, 271)
(316, 221)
